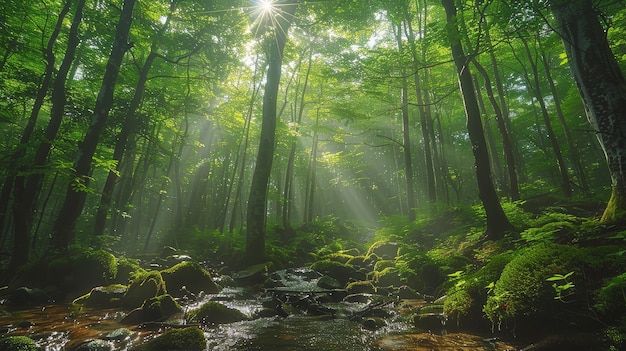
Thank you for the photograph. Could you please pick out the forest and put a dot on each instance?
(313, 175)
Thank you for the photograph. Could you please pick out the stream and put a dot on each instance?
(67, 327)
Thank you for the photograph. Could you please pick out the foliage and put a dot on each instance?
(610, 299)
(548, 226)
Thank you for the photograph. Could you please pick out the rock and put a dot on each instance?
(388, 277)
(253, 275)
(18, 343)
(82, 270)
(186, 339)
(103, 296)
(191, 276)
(144, 287)
(216, 313)
(358, 298)
(95, 345)
(28, 296)
(361, 287)
(406, 293)
(154, 309)
(384, 249)
(342, 272)
(329, 283)
(373, 323)
(571, 341)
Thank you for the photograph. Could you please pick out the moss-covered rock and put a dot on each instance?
(342, 272)
(327, 282)
(103, 296)
(359, 261)
(18, 343)
(339, 257)
(82, 269)
(126, 269)
(142, 287)
(157, 308)
(382, 264)
(252, 275)
(95, 345)
(216, 313)
(361, 287)
(389, 276)
(523, 291)
(186, 339)
(384, 249)
(190, 275)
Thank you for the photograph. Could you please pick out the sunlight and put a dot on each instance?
(266, 6)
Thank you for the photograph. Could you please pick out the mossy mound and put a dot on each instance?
(186, 339)
(82, 269)
(523, 289)
(342, 272)
(126, 269)
(190, 275)
(157, 308)
(389, 276)
(339, 257)
(18, 343)
(103, 296)
(384, 249)
(361, 287)
(142, 287)
(382, 264)
(216, 313)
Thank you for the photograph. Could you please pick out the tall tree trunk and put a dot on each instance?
(571, 143)
(507, 143)
(63, 230)
(26, 188)
(535, 84)
(406, 135)
(257, 200)
(497, 222)
(602, 87)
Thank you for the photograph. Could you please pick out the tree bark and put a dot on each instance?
(257, 199)
(602, 87)
(63, 230)
(497, 222)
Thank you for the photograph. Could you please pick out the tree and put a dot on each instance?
(497, 222)
(280, 18)
(602, 87)
(63, 230)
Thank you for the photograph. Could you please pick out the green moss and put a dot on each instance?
(522, 289)
(102, 296)
(186, 339)
(339, 257)
(83, 268)
(143, 286)
(358, 261)
(382, 264)
(385, 249)
(611, 298)
(361, 287)
(159, 307)
(126, 269)
(215, 313)
(191, 275)
(18, 343)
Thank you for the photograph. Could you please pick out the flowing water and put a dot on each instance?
(65, 327)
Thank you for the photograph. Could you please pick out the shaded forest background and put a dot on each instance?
(137, 124)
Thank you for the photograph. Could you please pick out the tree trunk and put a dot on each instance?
(507, 144)
(602, 87)
(535, 85)
(406, 136)
(571, 143)
(257, 200)
(497, 222)
(63, 230)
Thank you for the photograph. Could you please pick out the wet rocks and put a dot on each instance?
(18, 343)
(216, 313)
(190, 275)
(185, 339)
(157, 308)
(103, 296)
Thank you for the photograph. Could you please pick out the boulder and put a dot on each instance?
(342, 272)
(158, 308)
(187, 277)
(361, 287)
(103, 296)
(95, 345)
(185, 339)
(253, 275)
(143, 287)
(28, 296)
(216, 313)
(329, 283)
(18, 343)
(388, 277)
(384, 249)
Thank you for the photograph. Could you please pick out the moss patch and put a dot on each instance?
(216, 313)
(190, 275)
(186, 339)
(18, 343)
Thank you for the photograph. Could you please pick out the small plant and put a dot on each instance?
(562, 286)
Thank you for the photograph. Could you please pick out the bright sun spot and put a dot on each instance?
(266, 6)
